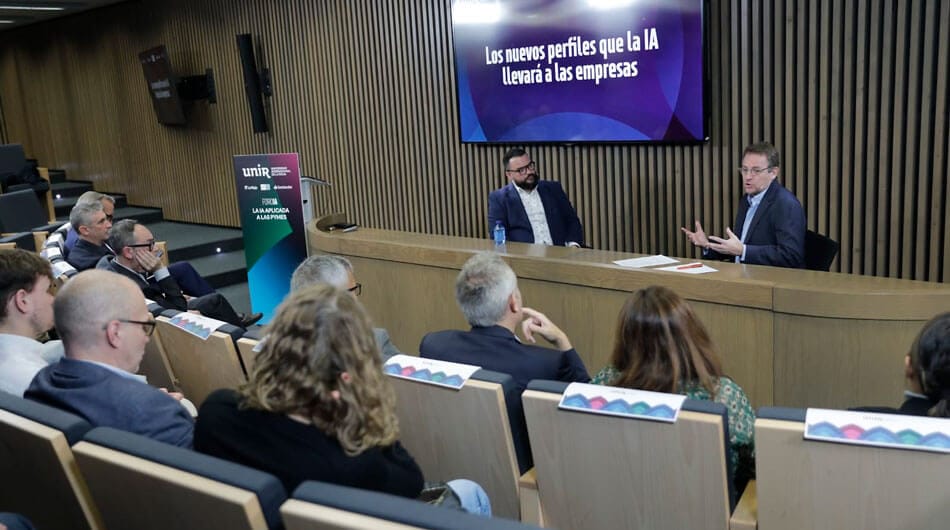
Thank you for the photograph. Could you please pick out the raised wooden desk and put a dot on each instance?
(788, 337)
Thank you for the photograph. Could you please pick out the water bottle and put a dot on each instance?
(499, 234)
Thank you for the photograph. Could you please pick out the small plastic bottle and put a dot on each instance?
(499, 234)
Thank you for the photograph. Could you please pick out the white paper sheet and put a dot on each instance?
(646, 261)
(689, 268)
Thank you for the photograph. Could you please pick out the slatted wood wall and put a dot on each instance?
(854, 93)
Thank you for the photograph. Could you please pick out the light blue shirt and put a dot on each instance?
(754, 202)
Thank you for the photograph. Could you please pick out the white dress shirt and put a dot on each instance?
(535, 210)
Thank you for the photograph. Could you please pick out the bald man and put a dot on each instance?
(102, 319)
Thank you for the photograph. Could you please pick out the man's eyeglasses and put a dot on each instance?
(753, 170)
(150, 244)
(523, 170)
(356, 289)
(148, 326)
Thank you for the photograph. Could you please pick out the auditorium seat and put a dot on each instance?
(822, 485)
(321, 506)
(598, 471)
(201, 366)
(463, 434)
(7, 245)
(246, 346)
(155, 366)
(820, 251)
(144, 484)
(38, 468)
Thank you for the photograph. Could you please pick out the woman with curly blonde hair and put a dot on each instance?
(317, 405)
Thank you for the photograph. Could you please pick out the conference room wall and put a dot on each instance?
(854, 93)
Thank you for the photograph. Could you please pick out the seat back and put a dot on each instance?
(201, 366)
(155, 365)
(462, 433)
(597, 471)
(144, 484)
(7, 246)
(246, 346)
(821, 485)
(20, 211)
(38, 469)
(317, 505)
(820, 251)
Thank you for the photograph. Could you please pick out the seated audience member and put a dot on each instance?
(92, 226)
(65, 237)
(338, 272)
(662, 346)
(135, 258)
(26, 311)
(927, 372)
(317, 405)
(487, 292)
(104, 324)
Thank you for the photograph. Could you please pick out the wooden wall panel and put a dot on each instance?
(854, 94)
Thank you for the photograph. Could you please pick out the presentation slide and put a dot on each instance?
(579, 70)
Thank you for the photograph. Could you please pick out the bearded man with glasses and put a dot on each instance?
(770, 221)
(530, 209)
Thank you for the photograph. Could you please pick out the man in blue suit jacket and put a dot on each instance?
(102, 319)
(530, 209)
(770, 220)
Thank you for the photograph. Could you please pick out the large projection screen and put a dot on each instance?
(532, 71)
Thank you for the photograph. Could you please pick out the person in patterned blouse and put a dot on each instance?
(661, 345)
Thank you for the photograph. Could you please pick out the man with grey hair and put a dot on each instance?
(105, 326)
(487, 292)
(91, 223)
(338, 272)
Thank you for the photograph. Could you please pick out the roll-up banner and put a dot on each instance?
(271, 209)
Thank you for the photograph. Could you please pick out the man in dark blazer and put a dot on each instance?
(135, 259)
(770, 222)
(487, 292)
(532, 210)
(105, 325)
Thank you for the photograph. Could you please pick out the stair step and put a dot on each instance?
(65, 205)
(226, 268)
(188, 241)
(72, 188)
(57, 176)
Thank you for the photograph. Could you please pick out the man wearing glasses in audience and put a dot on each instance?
(530, 209)
(136, 258)
(770, 222)
(65, 238)
(105, 325)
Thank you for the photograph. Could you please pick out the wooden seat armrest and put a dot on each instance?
(531, 512)
(39, 239)
(747, 510)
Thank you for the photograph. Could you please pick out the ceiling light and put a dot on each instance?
(31, 8)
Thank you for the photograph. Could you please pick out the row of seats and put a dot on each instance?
(597, 471)
(62, 474)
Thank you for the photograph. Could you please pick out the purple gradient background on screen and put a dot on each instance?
(663, 103)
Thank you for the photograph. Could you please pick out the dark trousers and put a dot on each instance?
(189, 280)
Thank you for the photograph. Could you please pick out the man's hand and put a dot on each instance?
(147, 260)
(698, 237)
(177, 395)
(731, 246)
(538, 323)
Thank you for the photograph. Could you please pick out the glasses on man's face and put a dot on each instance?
(150, 244)
(753, 170)
(356, 289)
(523, 170)
(148, 326)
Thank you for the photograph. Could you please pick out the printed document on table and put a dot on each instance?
(647, 261)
